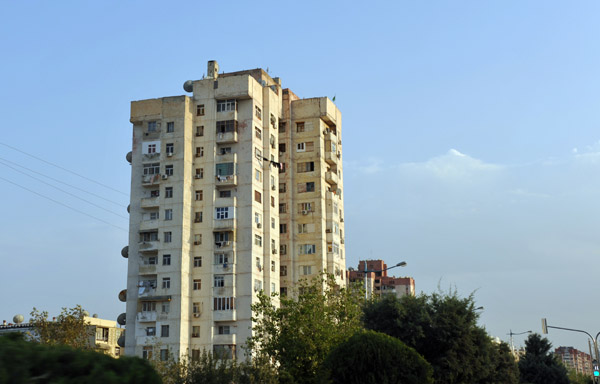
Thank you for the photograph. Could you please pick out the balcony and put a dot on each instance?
(224, 245)
(227, 137)
(331, 157)
(149, 202)
(224, 315)
(224, 269)
(146, 316)
(146, 225)
(148, 246)
(224, 339)
(147, 269)
(150, 180)
(331, 178)
(226, 181)
(150, 156)
(226, 158)
(224, 291)
(223, 224)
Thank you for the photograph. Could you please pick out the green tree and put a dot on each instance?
(24, 361)
(70, 328)
(538, 365)
(371, 357)
(579, 378)
(299, 334)
(443, 328)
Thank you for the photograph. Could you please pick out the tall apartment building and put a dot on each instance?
(576, 360)
(378, 281)
(214, 180)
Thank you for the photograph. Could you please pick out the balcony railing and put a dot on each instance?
(331, 178)
(224, 315)
(226, 181)
(148, 180)
(146, 316)
(331, 158)
(227, 137)
(221, 224)
(149, 246)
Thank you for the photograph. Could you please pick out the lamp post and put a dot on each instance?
(400, 264)
(512, 345)
(596, 353)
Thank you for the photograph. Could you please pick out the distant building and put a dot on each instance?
(378, 282)
(104, 334)
(576, 360)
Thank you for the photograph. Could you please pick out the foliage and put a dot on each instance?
(299, 334)
(70, 328)
(371, 357)
(443, 328)
(579, 378)
(538, 365)
(29, 362)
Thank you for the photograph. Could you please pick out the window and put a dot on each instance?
(272, 141)
(168, 236)
(257, 175)
(168, 192)
(224, 330)
(282, 188)
(282, 228)
(273, 201)
(196, 308)
(197, 284)
(306, 228)
(168, 214)
(305, 208)
(258, 264)
(151, 169)
(226, 105)
(257, 133)
(281, 167)
(199, 195)
(257, 197)
(199, 173)
(219, 281)
(258, 240)
(147, 352)
(281, 127)
(170, 127)
(200, 130)
(151, 148)
(309, 146)
(196, 331)
(258, 154)
(283, 208)
(170, 148)
(306, 270)
(282, 249)
(223, 258)
(224, 352)
(224, 169)
(153, 215)
(282, 147)
(307, 249)
(198, 217)
(152, 126)
(273, 266)
(222, 213)
(299, 127)
(257, 285)
(224, 150)
(257, 112)
(155, 193)
(197, 239)
(166, 283)
(224, 303)
(225, 194)
(197, 261)
(164, 354)
(226, 126)
(300, 147)
(273, 288)
(308, 166)
(166, 260)
(306, 187)
(149, 236)
(165, 307)
(164, 331)
(200, 110)
(148, 306)
(273, 222)
(283, 291)
(257, 218)
(195, 355)
(199, 151)
(283, 270)
(151, 260)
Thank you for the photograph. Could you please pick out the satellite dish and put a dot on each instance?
(121, 319)
(129, 208)
(95, 315)
(188, 86)
(18, 319)
(125, 251)
(123, 296)
(129, 157)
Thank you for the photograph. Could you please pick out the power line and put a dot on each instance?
(68, 193)
(64, 169)
(64, 205)
(62, 182)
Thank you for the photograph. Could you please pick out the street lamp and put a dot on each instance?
(400, 264)
(512, 346)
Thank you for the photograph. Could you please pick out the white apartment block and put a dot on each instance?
(215, 176)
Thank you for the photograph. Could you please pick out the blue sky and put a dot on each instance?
(470, 137)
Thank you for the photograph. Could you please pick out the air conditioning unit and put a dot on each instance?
(196, 315)
(273, 120)
(165, 177)
(198, 176)
(258, 225)
(274, 251)
(304, 212)
(273, 187)
(342, 220)
(196, 243)
(328, 230)
(169, 154)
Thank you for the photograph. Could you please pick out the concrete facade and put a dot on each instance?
(576, 360)
(379, 283)
(205, 211)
